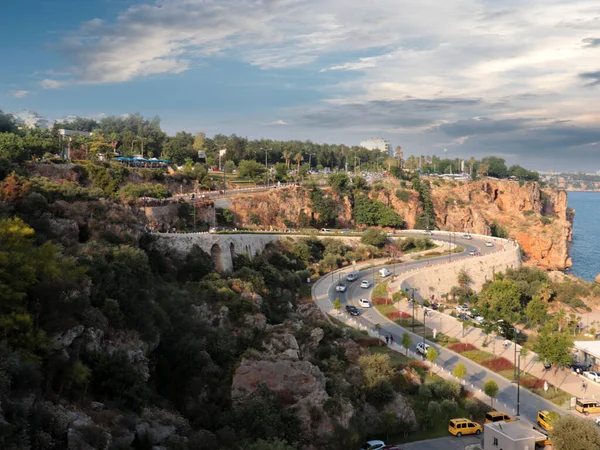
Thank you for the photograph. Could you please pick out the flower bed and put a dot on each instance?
(498, 364)
(534, 383)
(381, 301)
(459, 347)
(398, 315)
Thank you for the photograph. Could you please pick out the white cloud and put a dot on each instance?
(20, 93)
(51, 84)
(277, 122)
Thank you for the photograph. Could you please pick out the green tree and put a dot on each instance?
(179, 147)
(359, 183)
(375, 368)
(434, 408)
(281, 172)
(496, 166)
(460, 371)
(572, 433)
(490, 388)
(7, 123)
(536, 312)
(431, 355)
(502, 299)
(339, 182)
(449, 407)
(406, 342)
(229, 167)
(554, 346)
(251, 169)
(464, 279)
(374, 237)
(12, 147)
(337, 305)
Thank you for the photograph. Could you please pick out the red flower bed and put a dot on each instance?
(459, 347)
(420, 364)
(534, 383)
(381, 301)
(397, 315)
(498, 364)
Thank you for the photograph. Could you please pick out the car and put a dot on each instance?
(462, 309)
(373, 445)
(468, 236)
(586, 406)
(392, 447)
(352, 310)
(341, 287)
(479, 319)
(365, 284)
(597, 421)
(592, 375)
(351, 277)
(364, 302)
(434, 306)
(547, 365)
(325, 230)
(543, 419)
(458, 427)
(497, 416)
(473, 253)
(427, 232)
(422, 348)
(489, 244)
(579, 368)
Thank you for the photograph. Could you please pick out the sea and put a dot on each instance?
(585, 248)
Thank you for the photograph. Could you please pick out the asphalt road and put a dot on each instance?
(477, 375)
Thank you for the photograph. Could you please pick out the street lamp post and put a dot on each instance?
(267, 167)
(424, 316)
(519, 384)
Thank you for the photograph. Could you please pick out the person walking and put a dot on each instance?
(391, 338)
(387, 339)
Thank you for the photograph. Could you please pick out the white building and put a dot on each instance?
(588, 353)
(511, 436)
(378, 144)
(30, 119)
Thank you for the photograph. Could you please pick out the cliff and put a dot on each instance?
(538, 219)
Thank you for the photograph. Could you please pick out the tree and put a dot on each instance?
(491, 390)
(7, 123)
(179, 147)
(502, 299)
(464, 279)
(406, 341)
(339, 182)
(287, 156)
(434, 408)
(337, 304)
(271, 444)
(572, 433)
(460, 371)
(251, 169)
(281, 171)
(431, 355)
(229, 166)
(378, 329)
(12, 147)
(536, 312)
(374, 237)
(199, 142)
(298, 158)
(496, 166)
(554, 346)
(449, 407)
(359, 183)
(375, 368)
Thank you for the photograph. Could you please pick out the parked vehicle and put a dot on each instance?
(547, 365)
(594, 376)
(340, 287)
(364, 302)
(468, 236)
(489, 244)
(366, 284)
(497, 416)
(543, 421)
(458, 427)
(422, 348)
(351, 277)
(352, 310)
(473, 253)
(479, 319)
(587, 406)
(579, 368)
(326, 230)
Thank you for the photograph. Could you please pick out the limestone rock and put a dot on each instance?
(282, 345)
(93, 339)
(256, 321)
(159, 426)
(63, 340)
(400, 407)
(134, 349)
(597, 279)
(297, 379)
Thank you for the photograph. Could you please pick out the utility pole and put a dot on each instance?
(267, 166)
(519, 385)
(424, 328)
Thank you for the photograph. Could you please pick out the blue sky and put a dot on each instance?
(520, 79)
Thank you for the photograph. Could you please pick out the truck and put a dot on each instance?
(384, 273)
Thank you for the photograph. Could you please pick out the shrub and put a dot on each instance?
(545, 220)
(533, 383)
(395, 315)
(528, 212)
(498, 364)
(402, 195)
(459, 347)
(133, 191)
(380, 301)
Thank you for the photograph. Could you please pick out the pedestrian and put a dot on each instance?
(387, 339)
(583, 385)
(392, 338)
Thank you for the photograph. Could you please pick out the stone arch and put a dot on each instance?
(232, 250)
(217, 256)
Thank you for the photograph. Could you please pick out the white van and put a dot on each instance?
(384, 273)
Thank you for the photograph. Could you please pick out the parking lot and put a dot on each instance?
(445, 443)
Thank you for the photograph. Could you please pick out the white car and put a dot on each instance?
(373, 445)
(594, 376)
(340, 287)
(468, 237)
(479, 319)
(365, 284)
(351, 277)
(422, 348)
(473, 253)
(489, 244)
(364, 302)
(462, 309)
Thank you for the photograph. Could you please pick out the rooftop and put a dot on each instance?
(515, 431)
(591, 347)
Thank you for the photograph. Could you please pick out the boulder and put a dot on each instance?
(400, 407)
(61, 341)
(256, 321)
(282, 345)
(93, 339)
(159, 426)
(294, 379)
(597, 279)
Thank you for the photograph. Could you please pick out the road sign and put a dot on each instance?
(546, 386)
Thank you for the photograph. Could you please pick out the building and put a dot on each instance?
(378, 144)
(588, 353)
(511, 436)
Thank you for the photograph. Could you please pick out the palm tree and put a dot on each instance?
(287, 155)
(471, 165)
(298, 158)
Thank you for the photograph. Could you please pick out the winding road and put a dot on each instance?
(506, 400)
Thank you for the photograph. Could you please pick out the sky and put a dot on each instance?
(518, 79)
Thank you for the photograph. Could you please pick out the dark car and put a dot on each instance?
(579, 368)
(352, 310)
(547, 365)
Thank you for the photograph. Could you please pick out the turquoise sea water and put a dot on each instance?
(585, 251)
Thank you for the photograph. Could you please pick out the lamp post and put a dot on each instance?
(519, 384)
(424, 316)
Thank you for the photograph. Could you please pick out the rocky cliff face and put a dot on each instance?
(538, 219)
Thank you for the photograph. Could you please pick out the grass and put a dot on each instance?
(386, 309)
(381, 289)
(478, 356)
(397, 359)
